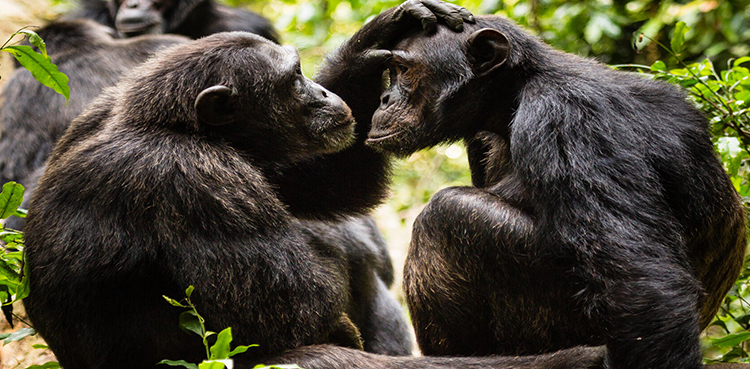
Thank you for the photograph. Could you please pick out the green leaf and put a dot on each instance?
(23, 290)
(35, 40)
(40, 347)
(220, 350)
(659, 66)
(19, 335)
(173, 302)
(8, 272)
(179, 363)
(10, 199)
(240, 349)
(42, 68)
(678, 37)
(744, 96)
(189, 322)
(741, 60)
(731, 340)
(8, 235)
(214, 364)
(20, 213)
(47, 365)
(189, 291)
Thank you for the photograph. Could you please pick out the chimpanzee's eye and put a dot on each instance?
(402, 68)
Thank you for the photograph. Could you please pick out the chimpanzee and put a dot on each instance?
(160, 185)
(599, 214)
(192, 18)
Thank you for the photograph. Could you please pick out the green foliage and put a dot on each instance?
(219, 353)
(604, 28)
(39, 64)
(47, 365)
(14, 281)
(13, 285)
(17, 335)
(727, 338)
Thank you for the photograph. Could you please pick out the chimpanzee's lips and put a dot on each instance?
(379, 137)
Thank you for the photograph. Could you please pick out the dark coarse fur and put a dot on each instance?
(192, 18)
(328, 357)
(146, 194)
(33, 117)
(369, 272)
(600, 212)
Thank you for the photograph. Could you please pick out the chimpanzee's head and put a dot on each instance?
(139, 17)
(441, 87)
(241, 89)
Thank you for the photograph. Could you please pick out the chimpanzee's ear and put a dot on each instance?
(487, 49)
(216, 105)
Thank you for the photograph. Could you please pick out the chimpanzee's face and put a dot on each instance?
(422, 75)
(140, 17)
(269, 107)
(430, 88)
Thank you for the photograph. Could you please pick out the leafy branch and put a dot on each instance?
(38, 63)
(14, 285)
(219, 354)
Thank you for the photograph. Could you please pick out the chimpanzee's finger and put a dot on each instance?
(453, 15)
(416, 9)
(374, 58)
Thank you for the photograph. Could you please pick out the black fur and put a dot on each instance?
(600, 212)
(192, 18)
(328, 357)
(149, 192)
(33, 117)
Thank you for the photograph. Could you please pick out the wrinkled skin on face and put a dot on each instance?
(417, 88)
(434, 87)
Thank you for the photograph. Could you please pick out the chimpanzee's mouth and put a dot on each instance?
(381, 137)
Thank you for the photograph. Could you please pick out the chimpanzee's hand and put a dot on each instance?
(360, 61)
(390, 26)
(370, 45)
(429, 11)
